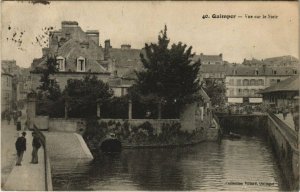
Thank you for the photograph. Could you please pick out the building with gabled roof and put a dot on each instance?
(79, 53)
(283, 93)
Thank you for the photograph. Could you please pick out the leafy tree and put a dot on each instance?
(216, 91)
(84, 94)
(169, 75)
(49, 89)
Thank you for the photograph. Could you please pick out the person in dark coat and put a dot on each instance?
(36, 144)
(21, 148)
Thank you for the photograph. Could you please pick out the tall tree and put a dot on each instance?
(216, 91)
(49, 88)
(84, 94)
(169, 74)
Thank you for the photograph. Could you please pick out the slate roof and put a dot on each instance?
(126, 60)
(213, 68)
(242, 70)
(205, 58)
(290, 84)
(71, 50)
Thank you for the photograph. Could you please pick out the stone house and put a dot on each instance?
(6, 90)
(79, 53)
(244, 82)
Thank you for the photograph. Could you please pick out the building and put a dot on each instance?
(21, 81)
(244, 82)
(282, 94)
(283, 61)
(6, 90)
(79, 53)
(210, 59)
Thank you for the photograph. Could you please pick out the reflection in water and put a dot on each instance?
(245, 164)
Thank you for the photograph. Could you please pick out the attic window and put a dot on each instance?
(81, 64)
(61, 63)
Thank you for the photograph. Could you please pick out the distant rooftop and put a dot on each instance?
(290, 84)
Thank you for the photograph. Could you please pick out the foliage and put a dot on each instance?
(116, 108)
(216, 91)
(170, 75)
(83, 95)
(49, 89)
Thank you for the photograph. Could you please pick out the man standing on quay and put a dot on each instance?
(20, 147)
(36, 144)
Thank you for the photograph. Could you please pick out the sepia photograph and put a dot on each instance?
(149, 95)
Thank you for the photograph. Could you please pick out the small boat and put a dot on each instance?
(234, 135)
(111, 144)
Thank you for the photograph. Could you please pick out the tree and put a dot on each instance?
(169, 75)
(84, 94)
(216, 91)
(49, 89)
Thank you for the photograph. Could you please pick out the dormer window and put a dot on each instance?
(61, 63)
(81, 64)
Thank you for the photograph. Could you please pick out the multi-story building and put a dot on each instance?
(79, 53)
(21, 79)
(282, 94)
(6, 90)
(243, 82)
(210, 59)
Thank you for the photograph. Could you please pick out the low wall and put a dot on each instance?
(42, 122)
(250, 125)
(285, 149)
(67, 125)
(156, 123)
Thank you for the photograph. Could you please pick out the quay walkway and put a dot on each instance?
(28, 177)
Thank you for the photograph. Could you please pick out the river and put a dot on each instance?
(246, 164)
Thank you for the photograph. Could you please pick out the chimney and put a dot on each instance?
(93, 35)
(69, 24)
(125, 46)
(106, 49)
(45, 51)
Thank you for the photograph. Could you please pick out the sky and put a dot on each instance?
(137, 23)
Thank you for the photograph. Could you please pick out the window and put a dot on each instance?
(252, 82)
(260, 82)
(231, 92)
(239, 91)
(246, 92)
(80, 64)
(274, 72)
(239, 82)
(231, 82)
(61, 63)
(295, 71)
(256, 72)
(245, 82)
(278, 80)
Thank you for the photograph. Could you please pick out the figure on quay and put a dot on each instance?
(36, 144)
(21, 148)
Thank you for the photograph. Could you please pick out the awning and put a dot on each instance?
(235, 100)
(255, 100)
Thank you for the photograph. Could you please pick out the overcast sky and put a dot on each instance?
(138, 22)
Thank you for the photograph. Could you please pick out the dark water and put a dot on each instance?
(245, 164)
